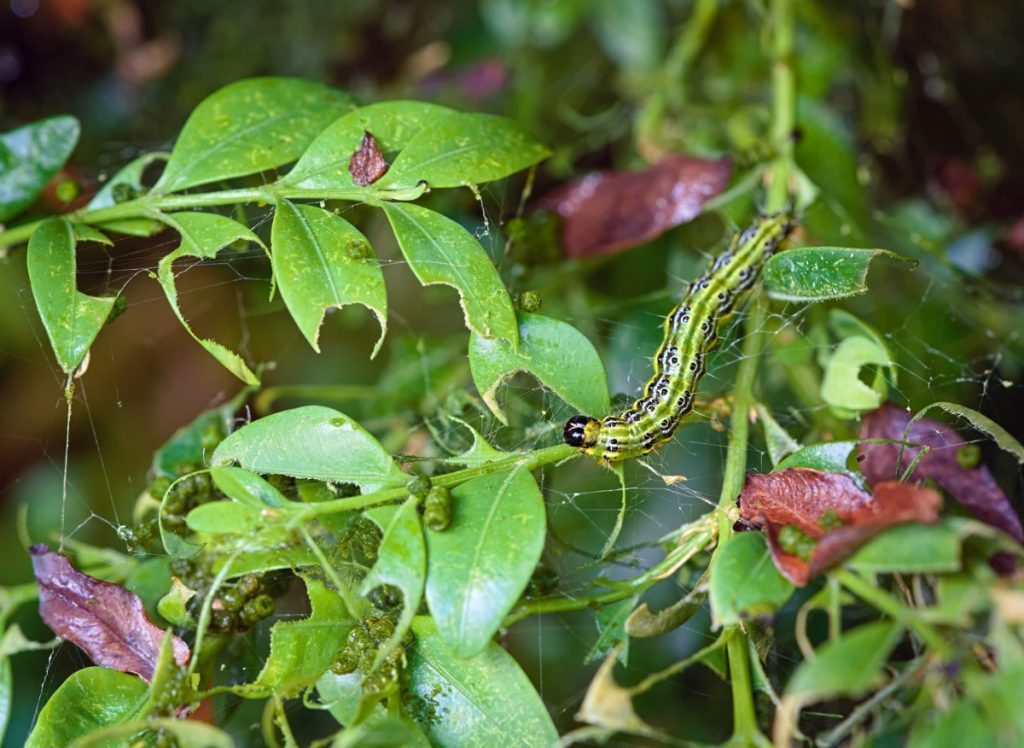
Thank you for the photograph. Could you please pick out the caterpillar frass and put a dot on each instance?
(691, 331)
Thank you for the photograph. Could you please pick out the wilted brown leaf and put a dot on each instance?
(367, 165)
(104, 619)
(973, 487)
(607, 211)
(813, 520)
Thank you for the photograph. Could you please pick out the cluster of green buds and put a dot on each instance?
(359, 653)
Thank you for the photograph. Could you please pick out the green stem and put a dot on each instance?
(529, 461)
(147, 205)
(783, 104)
(893, 608)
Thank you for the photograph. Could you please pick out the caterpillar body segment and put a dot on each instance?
(691, 332)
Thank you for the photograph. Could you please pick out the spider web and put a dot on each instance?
(67, 501)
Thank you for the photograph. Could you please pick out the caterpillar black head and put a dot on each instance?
(581, 431)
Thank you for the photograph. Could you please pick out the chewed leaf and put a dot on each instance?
(321, 261)
(202, 236)
(820, 273)
(250, 126)
(842, 387)
(104, 619)
(402, 562)
(125, 184)
(29, 158)
(302, 650)
(945, 462)
(311, 442)
(325, 164)
(813, 520)
(71, 318)
(606, 212)
(558, 354)
(440, 251)
(459, 149)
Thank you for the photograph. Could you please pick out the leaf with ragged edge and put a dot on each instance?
(301, 651)
(30, 156)
(203, 235)
(129, 180)
(558, 354)
(820, 273)
(393, 123)
(71, 318)
(441, 251)
(842, 387)
(846, 325)
(480, 565)
(321, 261)
(1000, 436)
(606, 212)
(829, 457)
(849, 666)
(88, 700)
(974, 487)
(459, 149)
(609, 706)
(744, 582)
(480, 701)
(832, 514)
(311, 442)
(401, 562)
(248, 127)
(107, 621)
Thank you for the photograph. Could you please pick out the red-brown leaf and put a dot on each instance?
(974, 488)
(801, 497)
(367, 164)
(611, 210)
(104, 619)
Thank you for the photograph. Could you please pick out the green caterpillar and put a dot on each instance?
(691, 331)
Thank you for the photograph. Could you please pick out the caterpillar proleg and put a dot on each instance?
(691, 332)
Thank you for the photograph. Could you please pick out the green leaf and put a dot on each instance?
(247, 488)
(301, 651)
(611, 630)
(480, 565)
(321, 261)
(962, 725)
(441, 251)
(482, 701)
(401, 562)
(202, 236)
(384, 732)
(30, 156)
(185, 731)
(631, 33)
(828, 457)
(846, 325)
(191, 444)
(913, 549)
(558, 354)
(225, 518)
(71, 318)
(984, 424)
(745, 582)
(780, 443)
(820, 273)
(248, 127)
(130, 176)
(849, 666)
(311, 442)
(461, 149)
(842, 387)
(324, 165)
(89, 699)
